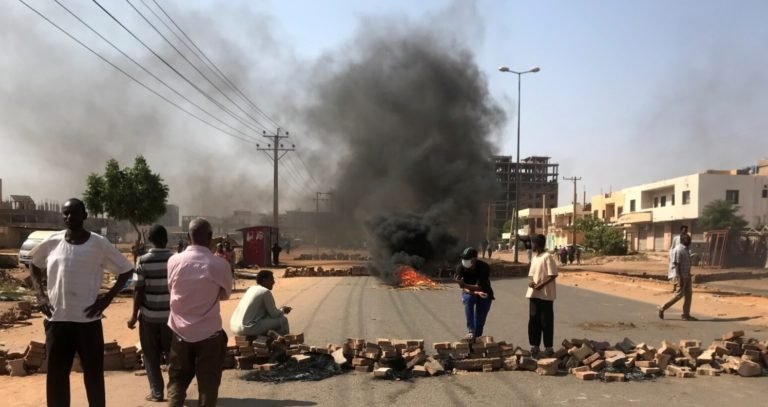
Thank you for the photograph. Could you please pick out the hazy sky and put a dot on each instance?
(629, 92)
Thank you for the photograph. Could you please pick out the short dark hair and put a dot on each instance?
(540, 241)
(263, 275)
(157, 234)
(684, 227)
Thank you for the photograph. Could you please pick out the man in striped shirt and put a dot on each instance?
(151, 300)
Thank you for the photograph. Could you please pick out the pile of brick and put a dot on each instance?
(32, 359)
(263, 352)
(322, 272)
(332, 256)
(590, 360)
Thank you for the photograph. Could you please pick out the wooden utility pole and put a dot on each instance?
(275, 147)
(488, 224)
(575, 202)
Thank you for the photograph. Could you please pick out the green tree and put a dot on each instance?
(603, 238)
(134, 194)
(721, 214)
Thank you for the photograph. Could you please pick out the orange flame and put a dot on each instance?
(409, 277)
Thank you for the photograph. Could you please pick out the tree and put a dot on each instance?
(721, 214)
(133, 194)
(603, 238)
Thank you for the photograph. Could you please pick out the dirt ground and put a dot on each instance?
(29, 391)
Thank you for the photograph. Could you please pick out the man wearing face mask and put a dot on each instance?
(473, 276)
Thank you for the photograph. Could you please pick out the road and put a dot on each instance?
(332, 309)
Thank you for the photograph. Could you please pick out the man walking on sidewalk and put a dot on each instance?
(151, 297)
(680, 274)
(197, 280)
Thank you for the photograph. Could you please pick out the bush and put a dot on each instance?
(602, 238)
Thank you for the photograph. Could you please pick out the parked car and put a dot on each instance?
(34, 239)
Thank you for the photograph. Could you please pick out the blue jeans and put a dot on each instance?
(476, 310)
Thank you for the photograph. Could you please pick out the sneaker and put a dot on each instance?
(470, 336)
(535, 351)
(689, 318)
(549, 352)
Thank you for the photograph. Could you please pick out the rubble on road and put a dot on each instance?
(333, 256)
(330, 272)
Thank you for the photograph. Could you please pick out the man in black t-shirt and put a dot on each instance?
(473, 276)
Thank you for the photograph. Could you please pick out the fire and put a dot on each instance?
(409, 277)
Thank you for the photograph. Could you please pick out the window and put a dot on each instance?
(632, 205)
(595, 213)
(663, 201)
(672, 197)
(686, 197)
(732, 196)
(765, 192)
(538, 223)
(656, 202)
(620, 211)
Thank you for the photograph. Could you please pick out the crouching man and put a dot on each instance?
(256, 314)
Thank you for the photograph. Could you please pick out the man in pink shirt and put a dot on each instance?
(197, 280)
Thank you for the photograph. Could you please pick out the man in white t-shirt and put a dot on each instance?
(541, 293)
(256, 314)
(74, 261)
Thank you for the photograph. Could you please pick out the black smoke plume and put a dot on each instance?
(414, 115)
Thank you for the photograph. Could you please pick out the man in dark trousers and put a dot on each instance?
(276, 249)
(74, 261)
(152, 298)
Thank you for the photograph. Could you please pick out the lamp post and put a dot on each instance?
(517, 166)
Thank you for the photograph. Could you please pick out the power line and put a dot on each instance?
(212, 64)
(147, 70)
(193, 65)
(303, 180)
(206, 95)
(307, 169)
(131, 76)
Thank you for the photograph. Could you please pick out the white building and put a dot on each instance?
(653, 213)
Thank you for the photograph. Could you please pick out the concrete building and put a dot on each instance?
(533, 221)
(538, 187)
(560, 221)
(171, 218)
(653, 213)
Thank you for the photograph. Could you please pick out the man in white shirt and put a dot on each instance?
(541, 293)
(256, 314)
(75, 260)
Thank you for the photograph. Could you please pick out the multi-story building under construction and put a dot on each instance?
(538, 187)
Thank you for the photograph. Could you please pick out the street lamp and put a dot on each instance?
(517, 166)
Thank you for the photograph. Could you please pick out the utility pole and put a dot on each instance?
(575, 202)
(275, 147)
(319, 196)
(544, 207)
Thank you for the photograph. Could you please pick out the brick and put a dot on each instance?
(580, 369)
(17, 368)
(598, 364)
(617, 361)
(690, 343)
(706, 371)
(382, 372)
(560, 353)
(662, 360)
(582, 352)
(626, 345)
(649, 371)
(302, 358)
(592, 358)
(706, 357)
(733, 335)
(419, 371)
(339, 357)
(266, 367)
(487, 368)
(362, 362)
(243, 363)
(434, 368)
(364, 369)
(600, 346)
(588, 375)
(547, 367)
(748, 368)
(752, 355)
(645, 363)
(614, 377)
(441, 345)
(417, 360)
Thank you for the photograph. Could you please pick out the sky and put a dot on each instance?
(628, 92)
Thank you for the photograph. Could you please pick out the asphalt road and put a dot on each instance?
(332, 309)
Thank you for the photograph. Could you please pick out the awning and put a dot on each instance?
(635, 217)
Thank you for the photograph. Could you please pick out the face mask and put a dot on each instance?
(466, 263)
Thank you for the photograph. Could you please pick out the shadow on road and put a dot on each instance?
(734, 319)
(231, 402)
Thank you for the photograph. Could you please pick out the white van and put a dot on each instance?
(34, 239)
